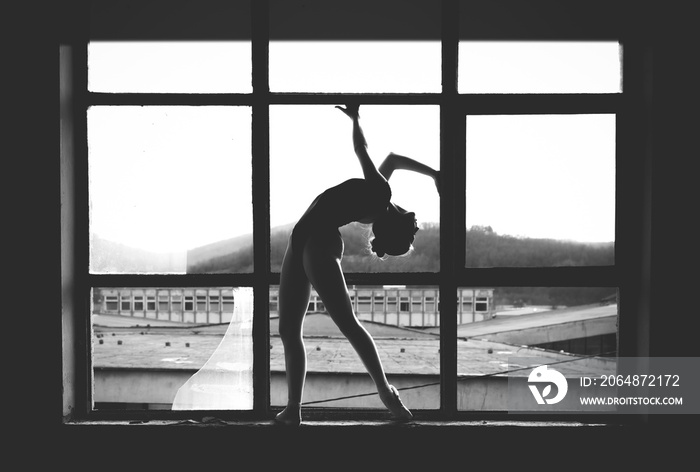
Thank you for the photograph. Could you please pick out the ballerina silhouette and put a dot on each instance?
(313, 257)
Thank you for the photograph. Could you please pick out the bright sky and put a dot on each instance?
(174, 178)
(313, 150)
(542, 176)
(169, 178)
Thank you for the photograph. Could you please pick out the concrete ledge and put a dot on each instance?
(217, 422)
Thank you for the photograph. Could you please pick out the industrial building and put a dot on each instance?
(396, 306)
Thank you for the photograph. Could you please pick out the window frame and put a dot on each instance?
(629, 274)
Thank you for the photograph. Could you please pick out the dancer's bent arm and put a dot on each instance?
(395, 162)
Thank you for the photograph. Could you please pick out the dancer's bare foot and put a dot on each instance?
(290, 416)
(393, 402)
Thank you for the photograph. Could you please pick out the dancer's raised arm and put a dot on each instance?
(369, 170)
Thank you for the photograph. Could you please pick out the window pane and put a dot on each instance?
(540, 190)
(170, 189)
(164, 356)
(169, 67)
(355, 66)
(575, 327)
(407, 343)
(311, 150)
(539, 67)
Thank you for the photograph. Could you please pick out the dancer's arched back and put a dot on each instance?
(313, 258)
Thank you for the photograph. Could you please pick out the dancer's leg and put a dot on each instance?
(293, 300)
(325, 273)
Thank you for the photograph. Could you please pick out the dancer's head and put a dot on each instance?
(394, 232)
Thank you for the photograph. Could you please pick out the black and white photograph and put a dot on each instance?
(399, 233)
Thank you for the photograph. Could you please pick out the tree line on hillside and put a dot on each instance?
(484, 248)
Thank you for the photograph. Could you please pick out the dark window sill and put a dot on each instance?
(211, 422)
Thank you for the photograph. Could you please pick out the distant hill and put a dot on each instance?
(229, 255)
(109, 257)
(484, 248)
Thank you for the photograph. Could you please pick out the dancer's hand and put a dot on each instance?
(437, 180)
(353, 111)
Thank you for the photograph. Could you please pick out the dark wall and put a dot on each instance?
(31, 171)
(675, 192)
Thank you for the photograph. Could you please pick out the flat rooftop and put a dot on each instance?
(496, 327)
(403, 351)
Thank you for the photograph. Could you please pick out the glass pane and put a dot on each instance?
(168, 355)
(170, 189)
(539, 67)
(311, 150)
(540, 190)
(572, 327)
(404, 323)
(355, 66)
(169, 67)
